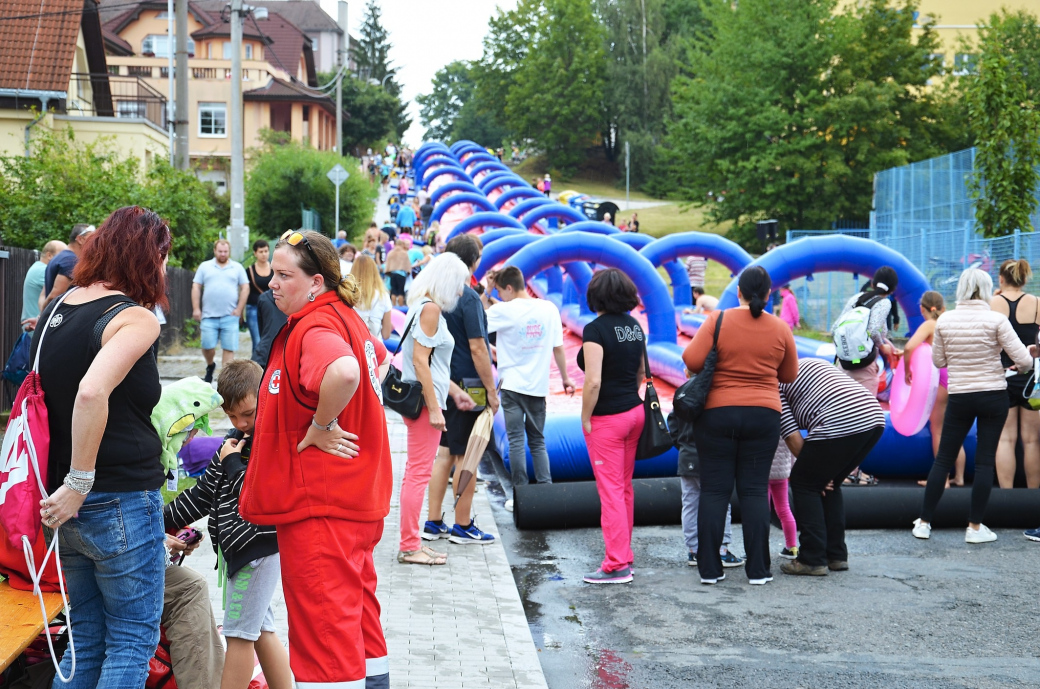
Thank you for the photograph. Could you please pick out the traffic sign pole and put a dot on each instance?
(337, 175)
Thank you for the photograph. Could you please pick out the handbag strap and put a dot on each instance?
(718, 328)
(46, 327)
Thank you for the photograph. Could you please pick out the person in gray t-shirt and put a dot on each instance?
(218, 298)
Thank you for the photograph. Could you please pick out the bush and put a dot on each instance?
(284, 176)
(66, 182)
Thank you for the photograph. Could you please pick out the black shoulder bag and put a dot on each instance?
(691, 396)
(655, 438)
(404, 397)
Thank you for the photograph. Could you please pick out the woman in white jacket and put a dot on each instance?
(968, 341)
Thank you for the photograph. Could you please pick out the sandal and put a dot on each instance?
(858, 478)
(423, 556)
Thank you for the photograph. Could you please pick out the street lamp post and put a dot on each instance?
(238, 233)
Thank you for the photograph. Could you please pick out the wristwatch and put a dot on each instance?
(328, 427)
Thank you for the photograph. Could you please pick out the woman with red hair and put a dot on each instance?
(104, 477)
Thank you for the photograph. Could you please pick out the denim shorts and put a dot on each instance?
(247, 599)
(223, 329)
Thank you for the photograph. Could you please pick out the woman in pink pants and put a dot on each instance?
(612, 413)
(426, 357)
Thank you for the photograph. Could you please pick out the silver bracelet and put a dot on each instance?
(76, 473)
(79, 485)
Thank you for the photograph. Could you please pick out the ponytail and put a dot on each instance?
(933, 303)
(347, 290)
(754, 285)
(1015, 273)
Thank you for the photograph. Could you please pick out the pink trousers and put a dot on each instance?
(612, 451)
(778, 498)
(423, 440)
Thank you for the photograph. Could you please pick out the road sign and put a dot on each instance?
(338, 174)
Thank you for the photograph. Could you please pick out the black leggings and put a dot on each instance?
(990, 409)
(821, 518)
(735, 444)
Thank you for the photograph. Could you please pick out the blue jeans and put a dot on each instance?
(254, 328)
(114, 563)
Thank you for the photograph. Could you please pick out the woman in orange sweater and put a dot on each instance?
(739, 428)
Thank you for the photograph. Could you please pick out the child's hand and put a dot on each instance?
(230, 446)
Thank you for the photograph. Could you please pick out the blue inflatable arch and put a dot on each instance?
(592, 226)
(427, 150)
(840, 253)
(453, 170)
(438, 158)
(460, 146)
(487, 167)
(491, 236)
(673, 247)
(477, 200)
(676, 270)
(473, 158)
(493, 219)
(500, 179)
(516, 193)
(601, 250)
(553, 210)
(503, 248)
(457, 185)
(528, 205)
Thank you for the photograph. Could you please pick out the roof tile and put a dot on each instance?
(38, 42)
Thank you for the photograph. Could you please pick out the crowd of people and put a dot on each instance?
(304, 477)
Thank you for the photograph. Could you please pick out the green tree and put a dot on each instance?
(506, 46)
(371, 52)
(283, 177)
(557, 97)
(66, 181)
(1005, 123)
(788, 110)
(453, 110)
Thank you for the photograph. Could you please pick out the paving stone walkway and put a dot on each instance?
(457, 626)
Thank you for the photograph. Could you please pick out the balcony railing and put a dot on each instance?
(108, 95)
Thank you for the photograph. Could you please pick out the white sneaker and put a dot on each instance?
(922, 529)
(712, 582)
(509, 505)
(982, 535)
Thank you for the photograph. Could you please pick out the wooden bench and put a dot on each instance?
(20, 620)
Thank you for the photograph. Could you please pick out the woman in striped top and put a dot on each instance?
(844, 422)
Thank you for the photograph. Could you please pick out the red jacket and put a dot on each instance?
(283, 486)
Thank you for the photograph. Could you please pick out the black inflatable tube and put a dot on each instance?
(658, 502)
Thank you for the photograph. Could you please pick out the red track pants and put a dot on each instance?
(329, 581)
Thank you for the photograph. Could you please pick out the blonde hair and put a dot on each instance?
(441, 281)
(974, 284)
(933, 303)
(321, 259)
(1015, 273)
(370, 284)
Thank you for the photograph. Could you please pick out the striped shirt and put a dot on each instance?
(826, 403)
(696, 266)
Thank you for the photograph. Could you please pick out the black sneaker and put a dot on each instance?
(209, 373)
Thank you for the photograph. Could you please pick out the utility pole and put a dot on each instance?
(626, 175)
(181, 82)
(238, 233)
(342, 57)
(169, 76)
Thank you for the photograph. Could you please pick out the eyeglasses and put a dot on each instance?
(293, 238)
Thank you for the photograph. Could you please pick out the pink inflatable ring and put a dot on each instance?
(911, 405)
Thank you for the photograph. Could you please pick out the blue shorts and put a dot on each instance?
(223, 329)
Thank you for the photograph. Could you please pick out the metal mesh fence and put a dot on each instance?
(924, 212)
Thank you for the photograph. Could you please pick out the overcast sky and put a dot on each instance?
(426, 35)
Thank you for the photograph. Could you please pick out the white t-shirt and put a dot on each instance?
(528, 329)
(373, 316)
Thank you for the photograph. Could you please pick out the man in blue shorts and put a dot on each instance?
(222, 287)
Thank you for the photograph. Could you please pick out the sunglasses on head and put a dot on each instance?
(293, 238)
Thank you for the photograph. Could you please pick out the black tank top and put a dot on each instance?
(1026, 331)
(128, 458)
(258, 284)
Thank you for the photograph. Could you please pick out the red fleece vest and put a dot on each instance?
(283, 486)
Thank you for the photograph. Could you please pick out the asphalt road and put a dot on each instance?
(909, 613)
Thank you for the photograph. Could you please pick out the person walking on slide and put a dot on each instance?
(968, 342)
(933, 306)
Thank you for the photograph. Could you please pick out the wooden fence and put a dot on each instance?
(14, 263)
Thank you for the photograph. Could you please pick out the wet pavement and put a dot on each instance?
(909, 613)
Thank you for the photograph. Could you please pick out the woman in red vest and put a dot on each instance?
(325, 488)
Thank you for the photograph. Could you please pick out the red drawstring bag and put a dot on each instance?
(23, 468)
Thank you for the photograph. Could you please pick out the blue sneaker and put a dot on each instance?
(731, 560)
(470, 534)
(435, 530)
(1033, 534)
(621, 576)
